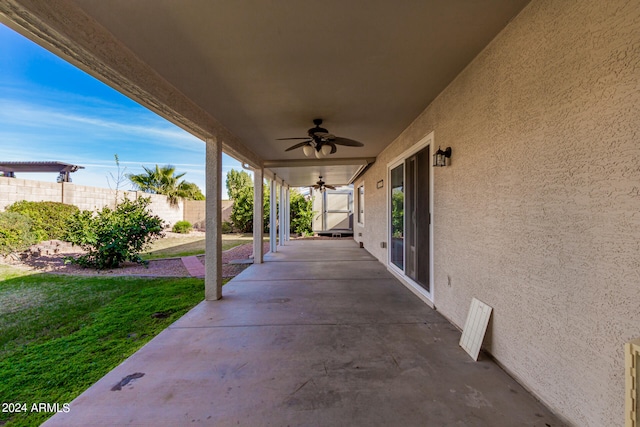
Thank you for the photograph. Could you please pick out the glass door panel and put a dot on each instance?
(397, 216)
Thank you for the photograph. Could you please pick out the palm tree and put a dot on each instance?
(163, 180)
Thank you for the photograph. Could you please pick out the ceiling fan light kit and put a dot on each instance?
(320, 142)
(321, 186)
(308, 150)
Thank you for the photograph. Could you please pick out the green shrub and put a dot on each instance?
(182, 227)
(15, 232)
(301, 213)
(227, 227)
(112, 237)
(242, 210)
(49, 219)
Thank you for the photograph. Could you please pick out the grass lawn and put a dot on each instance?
(170, 247)
(60, 334)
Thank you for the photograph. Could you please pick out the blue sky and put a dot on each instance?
(52, 111)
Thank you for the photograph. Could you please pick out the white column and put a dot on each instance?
(289, 214)
(287, 209)
(258, 215)
(272, 216)
(281, 216)
(213, 220)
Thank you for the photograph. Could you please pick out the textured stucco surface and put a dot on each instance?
(539, 213)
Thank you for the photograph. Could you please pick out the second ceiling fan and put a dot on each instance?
(322, 186)
(320, 142)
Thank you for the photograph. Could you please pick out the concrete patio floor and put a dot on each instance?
(321, 334)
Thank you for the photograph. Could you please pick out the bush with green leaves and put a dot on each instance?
(242, 211)
(301, 213)
(227, 227)
(49, 219)
(15, 232)
(182, 227)
(112, 237)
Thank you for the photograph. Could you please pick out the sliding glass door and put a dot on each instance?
(410, 218)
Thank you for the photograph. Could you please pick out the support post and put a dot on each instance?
(258, 215)
(213, 220)
(272, 216)
(281, 216)
(287, 233)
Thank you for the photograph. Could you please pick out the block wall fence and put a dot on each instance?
(94, 198)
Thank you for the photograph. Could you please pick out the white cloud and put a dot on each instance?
(31, 119)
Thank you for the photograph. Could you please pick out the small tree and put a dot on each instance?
(236, 182)
(301, 213)
(163, 180)
(112, 237)
(242, 210)
(240, 190)
(190, 191)
(118, 179)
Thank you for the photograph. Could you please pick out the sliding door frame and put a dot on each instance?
(399, 273)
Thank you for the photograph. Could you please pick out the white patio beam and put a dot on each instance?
(258, 215)
(213, 220)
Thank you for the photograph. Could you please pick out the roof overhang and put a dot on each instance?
(248, 73)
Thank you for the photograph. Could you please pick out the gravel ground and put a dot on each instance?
(48, 257)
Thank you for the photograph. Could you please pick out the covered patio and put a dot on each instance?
(320, 334)
(535, 212)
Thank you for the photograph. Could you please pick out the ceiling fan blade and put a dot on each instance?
(346, 141)
(293, 147)
(330, 187)
(290, 139)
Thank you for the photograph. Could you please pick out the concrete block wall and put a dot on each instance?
(86, 198)
(227, 207)
(194, 212)
(15, 189)
(160, 206)
(92, 198)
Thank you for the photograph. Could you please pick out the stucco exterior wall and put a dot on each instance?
(538, 214)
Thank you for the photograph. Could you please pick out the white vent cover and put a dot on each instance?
(475, 327)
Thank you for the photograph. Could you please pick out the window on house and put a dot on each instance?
(361, 204)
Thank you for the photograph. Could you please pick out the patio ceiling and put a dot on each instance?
(263, 70)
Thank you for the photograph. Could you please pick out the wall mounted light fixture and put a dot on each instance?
(440, 157)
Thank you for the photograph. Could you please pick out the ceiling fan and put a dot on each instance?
(321, 186)
(320, 142)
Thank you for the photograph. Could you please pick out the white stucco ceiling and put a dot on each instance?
(266, 69)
